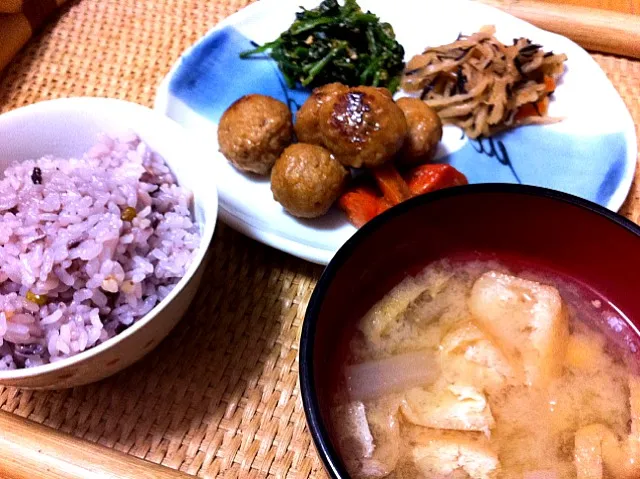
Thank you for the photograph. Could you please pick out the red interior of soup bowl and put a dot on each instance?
(512, 223)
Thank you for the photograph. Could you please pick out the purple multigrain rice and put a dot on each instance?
(72, 272)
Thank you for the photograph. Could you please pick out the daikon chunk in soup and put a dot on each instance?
(472, 370)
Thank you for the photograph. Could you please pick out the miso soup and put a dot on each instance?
(472, 370)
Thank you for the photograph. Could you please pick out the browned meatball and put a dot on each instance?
(362, 127)
(306, 180)
(254, 131)
(425, 132)
(374, 90)
(307, 118)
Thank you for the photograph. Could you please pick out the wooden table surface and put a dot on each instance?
(230, 406)
(624, 6)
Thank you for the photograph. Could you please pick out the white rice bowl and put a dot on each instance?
(88, 246)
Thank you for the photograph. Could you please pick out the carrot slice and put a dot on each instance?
(525, 111)
(392, 185)
(549, 84)
(361, 204)
(432, 177)
(543, 106)
(383, 205)
(539, 108)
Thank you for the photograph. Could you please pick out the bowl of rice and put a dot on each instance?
(107, 210)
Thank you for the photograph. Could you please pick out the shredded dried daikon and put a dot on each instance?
(484, 86)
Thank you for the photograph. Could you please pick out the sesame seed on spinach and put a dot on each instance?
(334, 43)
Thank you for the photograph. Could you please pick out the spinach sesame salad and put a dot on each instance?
(334, 43)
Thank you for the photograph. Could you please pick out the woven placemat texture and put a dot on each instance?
(220, 396)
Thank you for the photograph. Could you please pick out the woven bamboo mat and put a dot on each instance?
(220, 396)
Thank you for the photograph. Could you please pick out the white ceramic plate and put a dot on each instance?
(592, 153)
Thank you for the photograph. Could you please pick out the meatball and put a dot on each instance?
(254, 131)
(307, 118)
(362, 127)
(374, 90)
(306, 180)
(425, 132)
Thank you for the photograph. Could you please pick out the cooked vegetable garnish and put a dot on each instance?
(484, 86)
(362, 203)
(333, 43)
(393, 187)
(432, 177)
